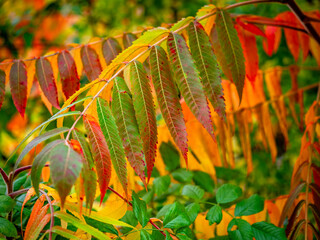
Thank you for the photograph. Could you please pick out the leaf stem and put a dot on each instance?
(19, 170)
(4, 176)
(51, 212)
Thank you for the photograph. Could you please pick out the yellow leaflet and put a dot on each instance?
(77, 59)
(98, 48)
(207, 23)
(202, 228)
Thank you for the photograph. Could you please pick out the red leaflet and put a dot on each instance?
(44, 74)
(91, 62)
(271, 44)
(292, 36)
(100, 153)
(250, 27)
(18, 84)
(250, 52)
(110, 49)
(2, 86)
(68, 73)
(128, 39)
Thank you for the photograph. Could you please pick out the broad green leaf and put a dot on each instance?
(203, 180)
(168, 99)
(18, 85)
(188, 80)
(39, 162)
(7, 228)
(140, 209)
(88, 173)
(68, 73)
(81, 225)
(252, 205)
(103, 227)
(163, 211)
(91, 62)
(230, 44)
(214, 215)
(111, 134)
(182, 236)
(244, 230)
(6, 204)
(193, 192)
(182, 175)
(123, 111)
(2, 86)
(192, 210)
(144, 235)
(145, 113)
(176, 217)
(228, 193)
(161, 184)
(169, 155)
(65, 167)
(64, 232)
(45, 76)
(207, 65)
(37, 140)
(100, 153)
(267, 231)
(110, 49)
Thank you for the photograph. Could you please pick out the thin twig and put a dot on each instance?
(25, 168)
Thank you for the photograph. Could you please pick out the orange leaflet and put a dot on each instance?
(271, 44)
(250, 27)
(250, 52)
(314, 46)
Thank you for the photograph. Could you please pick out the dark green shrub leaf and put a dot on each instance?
(169, 155)
(176, 217)
(161, 184)
(267, 231)
(203, 180)
(182, 175)
(7, 228)
(6, 204)
(140, 209)
(163, 211)
(244, 230)
(252, 205)
(193, 209)
(144, 235)
(214, 215)
(192, 191)
(228, 193)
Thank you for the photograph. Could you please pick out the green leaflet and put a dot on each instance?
(145, 113)
(39, 162)
(181, 23)
(88, 173)
(65, 167)
(140, 209)
(230, 44)
(111, 134)
(188, 81)
(167, 96)
(122, 109)
(81, 225)
(207, 65)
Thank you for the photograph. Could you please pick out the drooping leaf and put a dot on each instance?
(214, 215)
(123, 111)
(176, 217)
(167, 96)
(2, 86)
(6, 204)
(250, 52)
(231, 47)
(192, 191)
(37, 140)
(39, 162)
(207, 65)
(293, 219)
(68, 73)
(7, 228)
(18, 84)
(111, 134)
(44, 74)
(243, 231)
(128, 39)
(81, 225)
(88, 173)
(228, 193)
(267, 231)
(272, 41)
(110, 49)
(145, 113)
(65, 167)
(91, 62)
(188, 81)
(140, 209)
(252, 205)
(100, 152)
